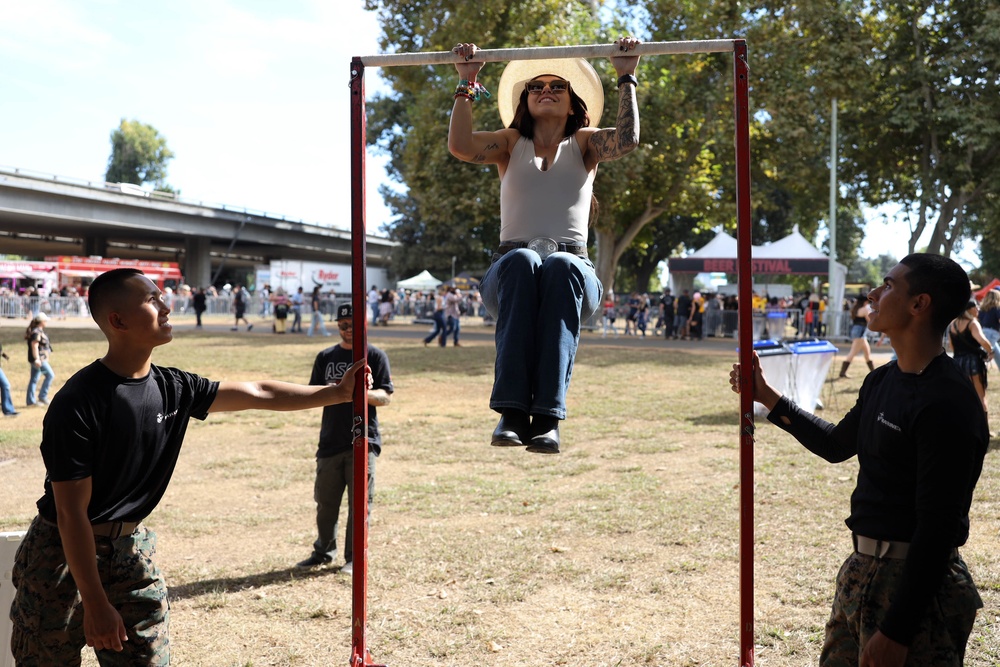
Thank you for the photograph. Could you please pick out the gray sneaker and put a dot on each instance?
(348, 568)
(314, 562)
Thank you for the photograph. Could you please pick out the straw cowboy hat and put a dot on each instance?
(583, 79)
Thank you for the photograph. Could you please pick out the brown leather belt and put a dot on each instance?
(114, 529)
(869, 546)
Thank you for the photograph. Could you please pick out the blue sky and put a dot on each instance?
(252, 97)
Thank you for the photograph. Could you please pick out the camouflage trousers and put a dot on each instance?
(865, 588)
(47, 613)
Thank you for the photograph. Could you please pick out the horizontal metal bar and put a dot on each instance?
(540, 52)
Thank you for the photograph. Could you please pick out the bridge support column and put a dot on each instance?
(197, 261)
(95, 246)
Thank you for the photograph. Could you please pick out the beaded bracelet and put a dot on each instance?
(471, 91)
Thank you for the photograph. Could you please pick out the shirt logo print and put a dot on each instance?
(160, 417)
(881, 419)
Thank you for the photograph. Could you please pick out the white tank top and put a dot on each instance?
(553, 203)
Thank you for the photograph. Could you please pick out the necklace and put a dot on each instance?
(920, 372)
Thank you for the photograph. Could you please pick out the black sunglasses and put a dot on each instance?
(535, 87)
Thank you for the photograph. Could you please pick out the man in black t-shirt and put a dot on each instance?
(84, 572)
(920, 435)
(335, 455)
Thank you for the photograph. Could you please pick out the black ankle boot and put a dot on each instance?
(544, 434)
(511, 430)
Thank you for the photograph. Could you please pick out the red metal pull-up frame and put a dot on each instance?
(360, 656)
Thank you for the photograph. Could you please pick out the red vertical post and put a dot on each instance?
(744, 246)
(360, 655)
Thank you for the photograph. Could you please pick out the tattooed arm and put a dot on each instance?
(613, 143)
(463, 143)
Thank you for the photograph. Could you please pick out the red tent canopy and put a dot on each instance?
(993, 284)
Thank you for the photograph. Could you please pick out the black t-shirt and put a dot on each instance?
(668, 305)
(335, 432)
(684, 305)
(920, 440)
(123, 433)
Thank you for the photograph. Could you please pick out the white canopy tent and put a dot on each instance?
(422, 281)
(793, 254)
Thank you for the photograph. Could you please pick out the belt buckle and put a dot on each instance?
(543, 245)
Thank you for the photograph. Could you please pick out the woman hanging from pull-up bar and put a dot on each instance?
(541, 284)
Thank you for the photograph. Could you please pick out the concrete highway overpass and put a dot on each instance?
(44, 215)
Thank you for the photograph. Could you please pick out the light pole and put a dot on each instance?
(453, 258)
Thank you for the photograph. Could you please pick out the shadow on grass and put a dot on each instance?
(197, 589)
(725, 418)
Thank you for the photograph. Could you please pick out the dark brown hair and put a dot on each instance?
(525, 124)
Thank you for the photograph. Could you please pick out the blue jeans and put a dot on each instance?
(317, 325)
(993, 335)
(439, 327)
(43, 393)
(6, 400)
(539, 307)
(454, 326)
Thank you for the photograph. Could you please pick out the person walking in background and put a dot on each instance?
(905, 596)
(696, 317)
(335, 455)
(240, 307)
(610, 314)
(316, 325)
(440, 326)
(989, 320)
(39, 349)
(859, 338)
(541, 284)
(452, 315)
(666, 315)
(85, 572)
(632, 314)
(200, 304)
(265, 301)
(6, 398)
(298, 300)
(682, 316)
(386, 306)
(282, 306)
(971, 349)
(374, 298)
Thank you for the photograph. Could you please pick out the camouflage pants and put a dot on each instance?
(865, 589)
(47, 613)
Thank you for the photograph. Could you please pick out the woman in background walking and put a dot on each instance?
(859, 340)
(39, 350)
(439, 322)
(989, 320)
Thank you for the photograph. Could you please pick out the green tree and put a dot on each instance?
(928, 122)
(139, 155)
(451, 208)
(684, 167)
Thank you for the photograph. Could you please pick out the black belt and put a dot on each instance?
(578, 250)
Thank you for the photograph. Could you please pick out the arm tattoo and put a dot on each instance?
(611, 144)
(481, 157)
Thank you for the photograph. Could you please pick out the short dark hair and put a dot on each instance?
(105, 288)
(943, 280)
(525, 124)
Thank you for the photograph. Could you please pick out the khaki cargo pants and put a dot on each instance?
(47, 613)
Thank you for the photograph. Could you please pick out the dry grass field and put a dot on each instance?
(622, 551)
